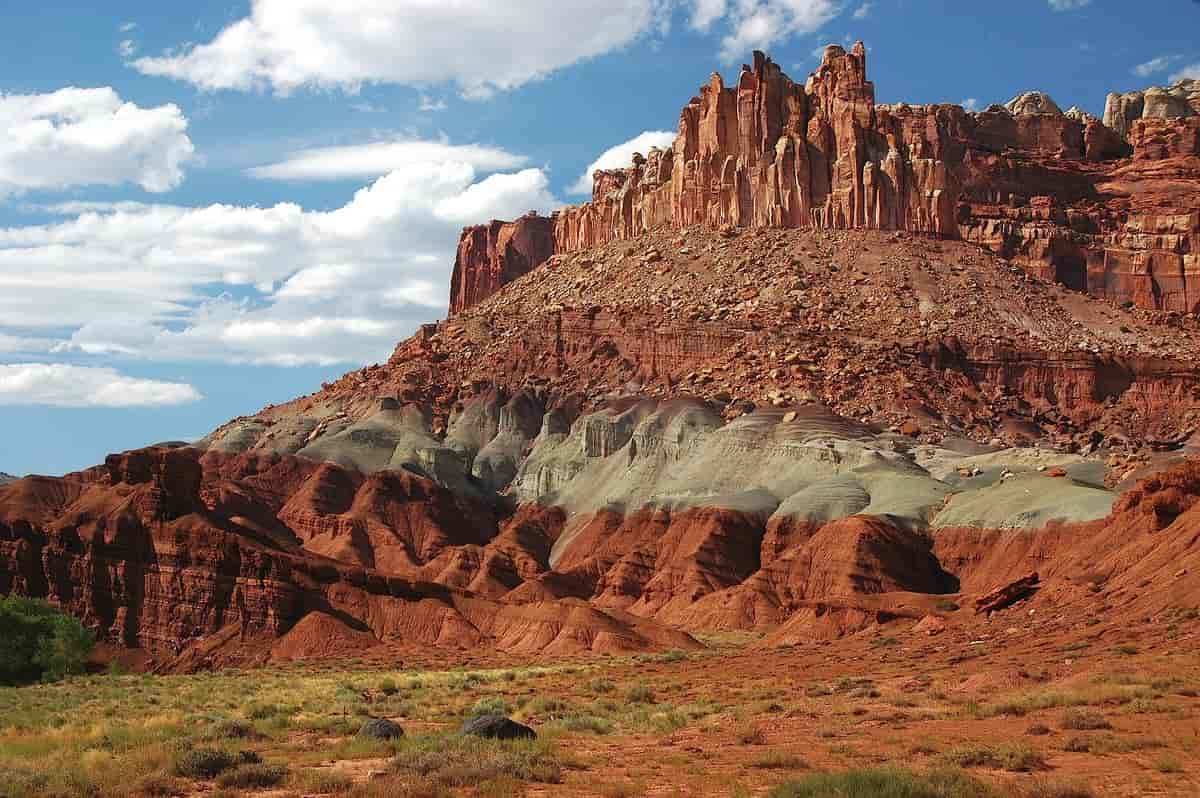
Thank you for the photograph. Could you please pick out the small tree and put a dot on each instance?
(40, 642)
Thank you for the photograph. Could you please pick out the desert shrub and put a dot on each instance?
(1014, 757)
(1168, 764)
(587, 723)
(778, 760)
(208, 763)
(41, 643)
(547, 706)
(884, 783)
(258, 776)
(233, 730)
(752, 734)
(1077, 745)
(158, 785)
(1054, 789)
(1084, 720)
(946, 606)
(457, 761)
(639, 694)
(492, 705)
(601, 686)
(322, 782)
(1038, 730)
(267, 711)
(389, 687)
(1020, 758)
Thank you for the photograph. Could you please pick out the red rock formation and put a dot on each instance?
(492, 255)
(770, 152)
(1007, 594)
(1160, 139)
(1033, 184)
(191, 559)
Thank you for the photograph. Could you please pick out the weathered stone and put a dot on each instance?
(1033, 102)
(492, 255)
(1007, 594)
(497, 727)
(381, 729)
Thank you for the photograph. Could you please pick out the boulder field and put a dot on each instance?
(824, 365)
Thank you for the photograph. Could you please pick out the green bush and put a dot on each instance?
(41, 643)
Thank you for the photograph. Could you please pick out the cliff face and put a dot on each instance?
(1182, 99)
(769, 152)
(492, 255)
(1053, 192)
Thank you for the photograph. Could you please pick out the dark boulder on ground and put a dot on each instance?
(381, 729)
(497, 727)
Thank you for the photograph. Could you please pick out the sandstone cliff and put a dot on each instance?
(492, 255)
(1160, 102)
(1051, 191)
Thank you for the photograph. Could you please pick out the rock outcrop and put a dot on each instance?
(198, 559)
(1032, 102)
(492, 255)
(1181, 99)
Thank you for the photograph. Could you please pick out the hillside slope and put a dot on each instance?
(726, 420)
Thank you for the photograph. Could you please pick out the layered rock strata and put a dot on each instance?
(1054, 192)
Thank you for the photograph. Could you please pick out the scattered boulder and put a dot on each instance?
(381, 729)
(1005, 595)
(497, 727)
(930, 625)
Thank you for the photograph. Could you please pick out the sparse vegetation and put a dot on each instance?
(137, 735)
(253, 776)
(640, 694)
(208, 763)
(885, 783)
(1084, 720)
(779, 760)
(454, 761)
(1013, 756)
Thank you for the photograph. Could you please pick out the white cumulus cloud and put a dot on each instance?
(481, 45)
(380, 157)
(863, 11)
(226, 283)
(89, 137)
(1068, 5)
(706, 12)
(759, 24)
(62, 385)
(620, 156)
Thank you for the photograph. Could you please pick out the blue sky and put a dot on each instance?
(207, 207)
